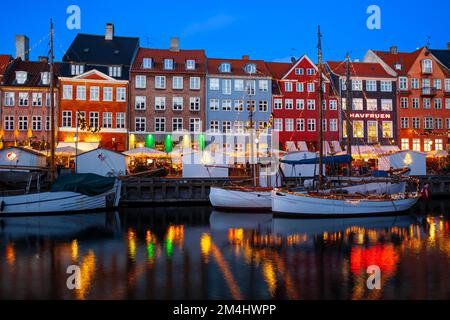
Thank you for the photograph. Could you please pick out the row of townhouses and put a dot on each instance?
(113, 93)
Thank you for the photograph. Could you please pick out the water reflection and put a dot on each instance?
(197, 253)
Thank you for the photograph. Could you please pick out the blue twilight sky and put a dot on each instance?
(270, 30)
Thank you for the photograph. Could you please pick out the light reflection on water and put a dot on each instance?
(197, 253)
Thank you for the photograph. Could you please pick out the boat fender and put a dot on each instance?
(2, 206)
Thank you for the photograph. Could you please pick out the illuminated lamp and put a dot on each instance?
(150, 141)
(202, 142)
(132, 140)
(186, 141)
(168, 144)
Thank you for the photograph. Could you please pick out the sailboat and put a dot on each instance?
(342, 204)
(69, 193)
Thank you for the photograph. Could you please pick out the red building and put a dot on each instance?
(295, 107)
(423, 97)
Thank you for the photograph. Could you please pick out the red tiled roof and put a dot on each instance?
(4, 62)
(278, 69)
(179, 58)
(33, 68)
(237, 67)
(406, 59)
(359, 69)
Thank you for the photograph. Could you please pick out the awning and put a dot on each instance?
(82, 146)
(437, 154)
(302, 146)
(326, 160)
(290, 146)
(336, 146)
(145, 152)
(373, 151)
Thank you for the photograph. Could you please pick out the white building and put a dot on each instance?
(102, 162)
(416, 161)
(22, 157)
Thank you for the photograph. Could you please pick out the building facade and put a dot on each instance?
(296, 107)
(167, 93)
(423, 97)
(372, 109)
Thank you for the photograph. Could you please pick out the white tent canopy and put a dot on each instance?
(81, 146)
(144, 152)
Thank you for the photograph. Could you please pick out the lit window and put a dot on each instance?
(358, 129)
(168, 64)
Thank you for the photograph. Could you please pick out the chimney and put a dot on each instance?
(22, 47)
(174, 44)
(43, 59)
(393, 50)
(109, 35)
(246, 57)
(293, 60)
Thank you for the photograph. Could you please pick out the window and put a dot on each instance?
(141, 82)
(23, 123)
(107, 94)
(94, 94)
(343, 84)
(403, 83)
(414, 83)
(358, 129)
(47, 123)
(437, 83)
(214, 104)
(81, 92)
(140, 124)
(262, 125)
(404, 122)
(426, 103)
(214, 84)
(177, 83)
(67, 92)
(77, 69)
(140, 102)
(9, 123)
(195, 125)
(439, 144)
(427, 66)
(344, 129)
(299, 87)
(36, 99)
(416, 123)
(45, 78)
(371, 85)
(311, 124)
(324, 125)
(447, 123)
(115, 71)
(300, 124)
(288, 86)
(190, 64)
(311, 87)
(278, 104)
(67, 119)
(238, 105)
(300, 104)
(214, 126)
(447, 103)
(416, 144)
(278, 124)
(438, 103)
(160, 82)
(356, 85)
(333, 104)
(289, 124)
(239, 126)
(372, 104)
(310, 71)
(47, 99)
(23, 99)
(386, 104)
(264, 85)
(238, 85)
(226, 105)
(263, 106)
(251, 105)
(388, 129)
(344, 103)
(415, 103)
(426, 86)
(311, 104)
(289, 104)
(121, 94)
(438, 123)
(427, 145)
(334, 125)
(120, 120)
(299, 71)
(147, 63)
(226, 126)
(225, 67)
(405, 144)
(250, 86)
(386, 86)
(404, 103)
(372, 131)
(428, 123)
(107, 119)
(447, 85)
(357, 104)
(94, 120)
(250, 68)
(9, 99)
(177, 104)
(36, 123)
(226, 86)
(160, 124)
(194, 104)
(194, 83)
(168, 64)
(177, 124)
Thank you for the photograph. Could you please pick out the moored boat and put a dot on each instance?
(239, 197)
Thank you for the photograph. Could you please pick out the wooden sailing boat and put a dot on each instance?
(343, 204)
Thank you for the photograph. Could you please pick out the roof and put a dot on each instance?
(5, 59)
(95, 49)
(278, 69)
(33, 68)
(406, 59)
(28, 150)
(237, 67)
(359, 69)
(443, 56)
(179, 57)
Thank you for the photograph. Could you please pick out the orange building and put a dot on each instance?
(92, 111)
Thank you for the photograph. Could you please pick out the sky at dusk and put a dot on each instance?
(269, 30)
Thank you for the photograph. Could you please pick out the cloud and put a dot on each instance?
(213, 23)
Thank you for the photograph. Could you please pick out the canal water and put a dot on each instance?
(199, 253)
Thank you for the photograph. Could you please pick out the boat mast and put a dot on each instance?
(347, 110)
(52, 108)
(320, 106)
(252, 152)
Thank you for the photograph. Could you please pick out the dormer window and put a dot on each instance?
(250, 68)
(398, 66)
(427, 66)
(225, 67)
(77, 69)
(147, 63)
(45, 78)
(115, 71)
(21, 77)
(168, 64)
(190, 64)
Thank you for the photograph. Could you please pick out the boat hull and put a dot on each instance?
(231, 199)
(302, 204)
